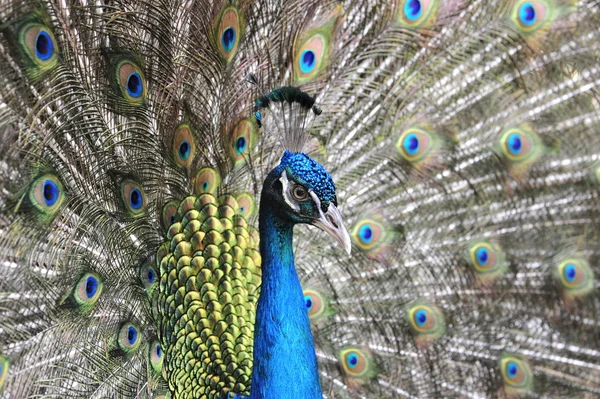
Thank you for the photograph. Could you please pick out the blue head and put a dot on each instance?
(300, 190)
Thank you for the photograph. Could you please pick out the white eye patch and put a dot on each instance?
(287, 196)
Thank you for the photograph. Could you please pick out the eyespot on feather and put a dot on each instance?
(520, 147)
(129, 338)
(316, 304)
(243, 138)
(183, 146)
(47, 194)
(229, 32)
(426, 321)
(169, 214)
(156, 356)
(133, 197)
(357, 363)
(487, 260)
(40, 45)
(417, 13)
(575, 277)
(87, 291)
(148, 276)
(371, 234)
(312, 47)
(516, 374)
(532, 16)
(131, 82)
(247, 205)
(207, 181)
(418, 145)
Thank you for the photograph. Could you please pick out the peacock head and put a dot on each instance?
(300, 190)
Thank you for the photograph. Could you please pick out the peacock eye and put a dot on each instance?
(299, 193)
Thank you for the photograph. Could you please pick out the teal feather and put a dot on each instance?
(457, 137)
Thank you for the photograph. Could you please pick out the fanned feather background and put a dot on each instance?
(464, 140)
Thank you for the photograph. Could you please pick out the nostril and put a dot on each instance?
(331, 220)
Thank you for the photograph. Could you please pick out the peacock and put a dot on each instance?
(441, 159)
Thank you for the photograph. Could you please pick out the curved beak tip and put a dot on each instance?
(331, 223)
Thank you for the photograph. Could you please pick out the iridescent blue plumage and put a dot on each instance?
(283, 342)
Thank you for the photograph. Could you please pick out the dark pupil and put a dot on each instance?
(422, 318)
(299, 192)
(415, 6)
(42, 44)
(241, 143)
(368, 233)
(172, 219)
(228, 36)
(89, 287)
(529, 13)
(205, 185)
(512, 370)
(150, 275)
(134, 83)
(516, 145)
(135, 197)
(130, 334)
(158, 351)
(183, 148)
(48, 192)
(308, 303)
(353, 360)
(309, 58)
(571, 272)
(413, 143)
(483, 256)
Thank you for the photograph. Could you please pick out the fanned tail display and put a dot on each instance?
(155, 156)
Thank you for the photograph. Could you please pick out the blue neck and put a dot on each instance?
(285, 364)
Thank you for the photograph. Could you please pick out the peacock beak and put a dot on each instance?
(331, 223)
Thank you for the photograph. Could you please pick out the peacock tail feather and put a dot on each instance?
(462, 137)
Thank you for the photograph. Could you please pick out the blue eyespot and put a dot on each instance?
(482, 255)
(420, 317)
(258, 116)
(132, 335)
(50, 192)
(512, 368)
(527, 14)
(228, 39)
(44, 46)
(411, 144)
(240, 145)
(570, 272)
(514, 144)
(135, 198)
(205, 186)
(308, 302)
(151, 275)
(413, 10)
(158, 351)
(366, 233)
(148, 276)
(308, 61)
(184, 150)
(91, 286)
(352, 360)
(172, 219)
(135, 88)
